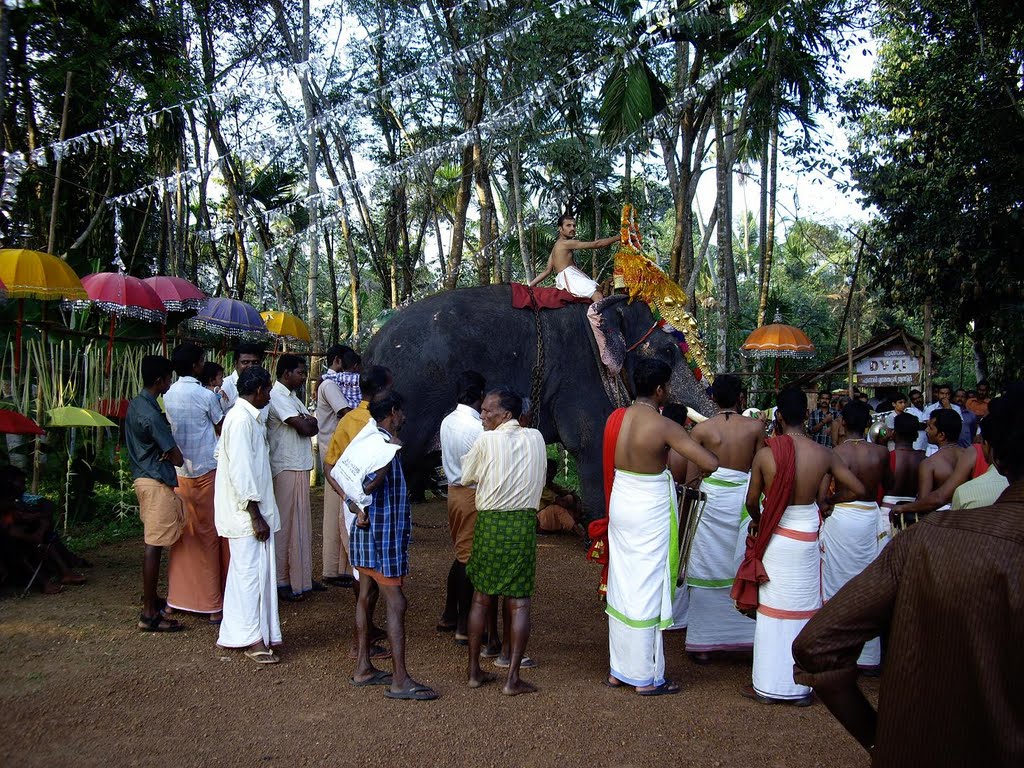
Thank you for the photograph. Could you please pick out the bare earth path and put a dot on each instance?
(79, 685)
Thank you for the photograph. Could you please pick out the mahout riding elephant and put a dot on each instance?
(427, 345)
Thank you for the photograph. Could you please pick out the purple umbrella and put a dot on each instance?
(230, 317)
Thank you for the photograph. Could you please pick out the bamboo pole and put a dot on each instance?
(55, 200)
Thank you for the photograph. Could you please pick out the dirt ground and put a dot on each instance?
(80, 685)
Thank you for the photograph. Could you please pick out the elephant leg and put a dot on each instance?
(582, 436)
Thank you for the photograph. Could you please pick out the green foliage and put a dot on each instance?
(936, 149)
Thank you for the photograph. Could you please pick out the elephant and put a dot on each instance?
(427, 344)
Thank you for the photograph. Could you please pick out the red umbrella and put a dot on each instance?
(13, 423)
(176, 293)
(122, 296)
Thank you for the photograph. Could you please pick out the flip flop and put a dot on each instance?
(159, 623)
(416, 693)
(617, 684)
(261, 656)
(443, 627)
(379, 677)
(490, 653)
(665, 689)
(525, 663)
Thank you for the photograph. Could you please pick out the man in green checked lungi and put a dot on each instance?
(507, 463)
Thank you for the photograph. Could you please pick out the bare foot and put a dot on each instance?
(72, 578)
(485, 677)
(49, 588)
(519, 688)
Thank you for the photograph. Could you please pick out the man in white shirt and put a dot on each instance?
(508, 464)
(917, 410)
(246, 515)
(245, 355)
(198, 558)
(289, 429)
(459, 430)
(945, 395)
(331, 405)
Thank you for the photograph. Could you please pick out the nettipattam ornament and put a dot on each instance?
(644, 280)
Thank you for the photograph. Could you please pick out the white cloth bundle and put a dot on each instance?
(369, 450)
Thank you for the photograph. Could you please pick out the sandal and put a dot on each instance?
(376, 652)
(416, 693)
(159, 623)
(665, 689)
(262, 656)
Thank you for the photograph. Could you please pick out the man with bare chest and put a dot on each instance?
(714, 624)
(853, 535)
(904, 463)
(643, 547)
(949, 467)
(569, 277)
(794, 472)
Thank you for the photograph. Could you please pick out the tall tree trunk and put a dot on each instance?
(332, 273)
(768, 246)
(516, 200)
(724, 239)
(458, 239)
(486, 203)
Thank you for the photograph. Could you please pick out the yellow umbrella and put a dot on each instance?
(69, 416)
(36, 275)
(286, 325)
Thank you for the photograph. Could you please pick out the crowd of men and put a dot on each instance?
(787, 524)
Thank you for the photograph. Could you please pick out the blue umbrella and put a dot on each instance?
(230, 317)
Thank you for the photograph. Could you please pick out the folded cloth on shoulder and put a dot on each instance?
(368, 451)
(547, 298)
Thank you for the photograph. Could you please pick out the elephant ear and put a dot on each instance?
(608, 332)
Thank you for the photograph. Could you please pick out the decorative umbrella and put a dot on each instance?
(177, 294)
(121, 295)
(69, 416)
(286, 326)
(13, 423)
(36, 275)
(230, 317)
(778, 340)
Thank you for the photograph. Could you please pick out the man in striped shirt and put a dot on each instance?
(508, 465)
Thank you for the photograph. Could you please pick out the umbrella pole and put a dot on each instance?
(17, 337)
(776, 375)
(110, 345)
(37, 454)
(163, 338)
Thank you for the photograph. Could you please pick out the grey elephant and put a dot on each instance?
(430, 342)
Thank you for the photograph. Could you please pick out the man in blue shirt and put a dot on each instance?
(379, 542)
(153, 455)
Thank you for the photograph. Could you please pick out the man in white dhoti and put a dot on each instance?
(719, 543)
(853, 535)
(643, 532)
(569, 277)
(246, 514)
(780, 575)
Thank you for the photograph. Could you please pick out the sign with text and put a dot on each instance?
(889, 367)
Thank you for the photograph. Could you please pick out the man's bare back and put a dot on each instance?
(645, 437)
(733, 438)
(869, 462)
(940, 467)
(905, 475)
(816, 465)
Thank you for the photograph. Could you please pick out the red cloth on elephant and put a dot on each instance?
(751, 572)
(547, 298)
(598, 529)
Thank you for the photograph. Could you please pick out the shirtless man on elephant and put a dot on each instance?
(569, 277)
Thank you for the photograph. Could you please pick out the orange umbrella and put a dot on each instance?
(778, 340)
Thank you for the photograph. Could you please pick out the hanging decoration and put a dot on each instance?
(644, 280)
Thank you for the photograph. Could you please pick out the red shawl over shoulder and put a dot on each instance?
(751, 572)
(598, 529)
